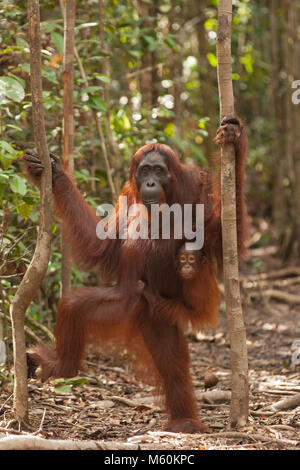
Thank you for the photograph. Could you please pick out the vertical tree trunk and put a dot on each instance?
(106, 70)
(207, 79)
(96, 119)
(2, 344)
(68, 157)
(155, 73)
(38, 266)
(100, 132)
(296, 127)
(177, 67)
(279, 170)
(146, 75)
(291, 240)
(239, 360)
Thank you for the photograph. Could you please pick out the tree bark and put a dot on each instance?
(207, 79)
(38, 266)
(239, 362)
(147, 63)
(106, 71)
(68, 127)
(279, 170)
(296, 113)
(292, 119)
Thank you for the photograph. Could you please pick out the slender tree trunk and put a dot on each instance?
(239, 360)
(291, 240)
(279, 171)
(176, 16)
(207, 79)
(69, 44)
(97, 122)
(3, 303)
(155, 74)
(146, 76)
(100, 133)
(296, 120)
(111, 138)
(38, 266)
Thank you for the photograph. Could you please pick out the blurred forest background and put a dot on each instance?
(147, 72)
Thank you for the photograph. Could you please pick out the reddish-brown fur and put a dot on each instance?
(153, 320)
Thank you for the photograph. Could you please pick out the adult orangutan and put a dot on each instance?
(150, 302)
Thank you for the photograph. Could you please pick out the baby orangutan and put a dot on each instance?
(188, 263)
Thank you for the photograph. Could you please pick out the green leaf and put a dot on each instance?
(13, 126)
(50, 75)
(4, 178)
(153, 42)
(203, 122)
(98, 103)
(247, 61)
(210, 24)
(18, 185)
(8, 148)
(76, 381)
(24, 210)
(12, 88)
(22, 43)
(170, 42)
(169, 129)
(91, 89)
(48, 27)
(26, 68)
(64, 389)
(86, 25)
(58, 41)
(102, 78)
(212, 59)
(165, 8)
(65, 385)
(135, 54)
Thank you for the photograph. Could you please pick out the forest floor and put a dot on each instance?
(116, 409)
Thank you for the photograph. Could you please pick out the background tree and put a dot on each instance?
(239, 360)
(68, 9)
(38, 266)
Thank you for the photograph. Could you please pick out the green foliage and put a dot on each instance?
(12, 88)
(65, 386)
(183, 74)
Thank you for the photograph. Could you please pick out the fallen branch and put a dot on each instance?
(37, 443)
(282, 405)
(255, 437)
(288, 403)
(10, 431)
(125, 401)
(214, 396)
(210, 397)
(289, 271)
(276, 294)
(262, 283)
